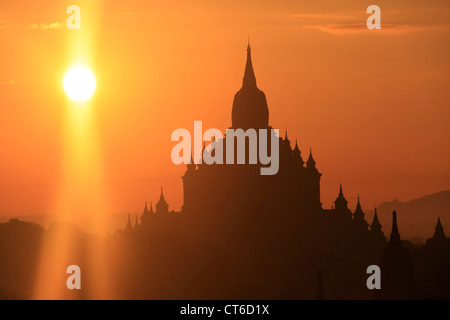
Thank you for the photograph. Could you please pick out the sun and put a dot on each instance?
(79, 83)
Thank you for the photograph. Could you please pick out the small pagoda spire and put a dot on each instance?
(297, 154)
(359, 214)
(439, 231)
(375, 220)
(311, 163)
(286, 140)
(358, 205)
(395, 235)
(162, 206)
(375, 227)
(341, 204)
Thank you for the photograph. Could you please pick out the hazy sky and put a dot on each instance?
(372, 104)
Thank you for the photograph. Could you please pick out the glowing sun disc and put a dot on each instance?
(79, 83)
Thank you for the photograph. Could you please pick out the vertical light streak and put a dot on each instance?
(82, 197)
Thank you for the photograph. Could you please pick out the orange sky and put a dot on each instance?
(372, 104)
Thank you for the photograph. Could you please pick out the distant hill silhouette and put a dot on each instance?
(111, 223)
(418, 216)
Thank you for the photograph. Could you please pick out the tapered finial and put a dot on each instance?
(395, 235)
(249, 80)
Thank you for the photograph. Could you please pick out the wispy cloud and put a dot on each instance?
(54, 25)
(8, 82)
(351, 22)
(361, 27)
(325, 16)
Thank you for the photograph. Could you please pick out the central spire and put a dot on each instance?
(250, 105)
(249, 74)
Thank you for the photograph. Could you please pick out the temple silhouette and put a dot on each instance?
(235, 198)
(276, 226)
(239, 235)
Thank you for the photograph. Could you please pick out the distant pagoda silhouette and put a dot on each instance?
(397, 273)
(439, 234)
(375, 229)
